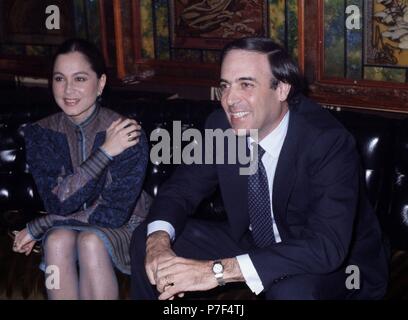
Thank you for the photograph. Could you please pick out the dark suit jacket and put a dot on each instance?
(320, 207)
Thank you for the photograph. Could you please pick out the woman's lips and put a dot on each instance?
(71, 102)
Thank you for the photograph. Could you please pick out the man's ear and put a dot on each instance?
(283, 91)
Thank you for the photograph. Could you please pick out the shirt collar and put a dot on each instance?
(273, 142)
(87, 121)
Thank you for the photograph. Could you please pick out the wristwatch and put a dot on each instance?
(218, 270)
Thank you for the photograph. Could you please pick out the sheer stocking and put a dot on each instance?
(60, 251)
(97, 275)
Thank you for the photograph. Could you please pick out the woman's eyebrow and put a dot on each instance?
(75, 74)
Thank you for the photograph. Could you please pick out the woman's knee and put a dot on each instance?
(89, 242)
(61, 240)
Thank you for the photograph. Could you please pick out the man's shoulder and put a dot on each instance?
(314, 125)
(314, 117)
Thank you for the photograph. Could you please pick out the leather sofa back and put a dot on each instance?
(382, 143)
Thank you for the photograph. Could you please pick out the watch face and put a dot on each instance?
(218, 268)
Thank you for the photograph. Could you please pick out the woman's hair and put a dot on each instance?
(88, 50)
(283, 67)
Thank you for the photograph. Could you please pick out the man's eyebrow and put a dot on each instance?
(248, 79)
(240, 79)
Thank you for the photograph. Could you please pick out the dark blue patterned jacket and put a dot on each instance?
(76, 180)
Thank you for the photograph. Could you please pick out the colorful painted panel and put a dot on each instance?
(385, 74)
(146, 18)
(354, 43)
(162, 41)
(365, 39)
(292, 27)
(80, 19)
(387, 22)
(211, 56)
(93, 23)
(187, 55)
(277, 20)
(334, 45)
(38, 51)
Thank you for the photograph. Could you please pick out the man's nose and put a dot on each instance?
(232, 97)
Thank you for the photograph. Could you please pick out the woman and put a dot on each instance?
(88, 164)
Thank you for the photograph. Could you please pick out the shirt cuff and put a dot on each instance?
(250, 274)
(161, 225)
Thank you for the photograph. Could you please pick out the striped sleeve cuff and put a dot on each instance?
(105, 153)
(38, 227)
(96, 163)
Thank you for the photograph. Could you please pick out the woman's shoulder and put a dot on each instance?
(108, 114)
(42, 129)
(105, 118)
(50, 122)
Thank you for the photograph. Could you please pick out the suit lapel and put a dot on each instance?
(234, 188)
(285, 174)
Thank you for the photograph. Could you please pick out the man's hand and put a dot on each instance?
(179, 275)
(158, 251)
(23, 243)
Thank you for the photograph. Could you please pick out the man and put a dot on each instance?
(294, 226)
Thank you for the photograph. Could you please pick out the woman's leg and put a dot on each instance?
(97, 275)
(60, 251)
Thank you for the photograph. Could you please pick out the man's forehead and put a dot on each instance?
(245, 63)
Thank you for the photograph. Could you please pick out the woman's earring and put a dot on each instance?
(99, 97)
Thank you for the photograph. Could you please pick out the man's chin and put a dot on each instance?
(241, 132)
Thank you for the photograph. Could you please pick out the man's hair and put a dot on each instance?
(283, 67)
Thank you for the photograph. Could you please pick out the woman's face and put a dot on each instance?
(76, 86)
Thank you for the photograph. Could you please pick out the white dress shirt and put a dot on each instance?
(272, 144)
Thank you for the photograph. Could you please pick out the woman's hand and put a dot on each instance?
(23, 242)
(121, 135)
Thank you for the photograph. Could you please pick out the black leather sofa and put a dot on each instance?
(382, 141)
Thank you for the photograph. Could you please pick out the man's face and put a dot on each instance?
(247, 96)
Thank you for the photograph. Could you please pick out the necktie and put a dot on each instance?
(259, 205)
